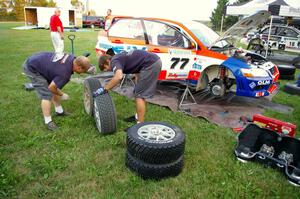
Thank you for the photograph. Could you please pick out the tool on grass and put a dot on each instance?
(72, 38)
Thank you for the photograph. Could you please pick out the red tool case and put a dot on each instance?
(275, 125)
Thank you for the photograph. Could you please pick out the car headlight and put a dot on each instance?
(254, 72)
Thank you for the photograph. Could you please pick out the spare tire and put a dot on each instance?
(292, 89)
(153, 171)
(90, 85)
(286, 70)
(287, 77)
(155, 142)
(105, 114)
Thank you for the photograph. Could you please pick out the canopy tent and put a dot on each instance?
(274, 7)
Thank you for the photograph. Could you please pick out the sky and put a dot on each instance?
(171, 9)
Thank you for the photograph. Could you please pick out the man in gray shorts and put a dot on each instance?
(49, 76)
(146, 66)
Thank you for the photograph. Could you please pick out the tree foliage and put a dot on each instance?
(16, 7)
(219, 11)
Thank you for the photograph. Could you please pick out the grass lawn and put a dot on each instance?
(76, 162)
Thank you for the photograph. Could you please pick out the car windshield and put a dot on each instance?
(206, 35)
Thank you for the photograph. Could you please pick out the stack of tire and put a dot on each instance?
(286, 72)
(155, 150)
(102, 107)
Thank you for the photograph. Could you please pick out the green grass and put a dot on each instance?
(76, 162)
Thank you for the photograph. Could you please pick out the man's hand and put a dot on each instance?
(62, 36)
(99, 91)
(64, 96)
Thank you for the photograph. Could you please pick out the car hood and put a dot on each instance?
(238, 30)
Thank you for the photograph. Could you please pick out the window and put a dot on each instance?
(266, 31)
(127, 28)
(291, 33)
(165, 35)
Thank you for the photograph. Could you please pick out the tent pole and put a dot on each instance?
(222, 22)
(269, 35)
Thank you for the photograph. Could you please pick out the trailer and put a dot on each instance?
(40, 16)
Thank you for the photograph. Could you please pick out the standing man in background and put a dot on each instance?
(57, 34)
(106, 24)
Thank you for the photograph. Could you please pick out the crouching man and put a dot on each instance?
(49, 77)
(146, 67)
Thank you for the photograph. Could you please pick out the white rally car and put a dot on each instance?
(192, 52)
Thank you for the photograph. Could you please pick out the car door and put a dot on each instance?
(127, 34)
(290, 37)
(173, 47)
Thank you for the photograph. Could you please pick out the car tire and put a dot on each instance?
(154, 171)
(286, 69)
(296, 62)
(292, 89)
(155, 142)
(90, 85)
(105, 114)
(287, 77)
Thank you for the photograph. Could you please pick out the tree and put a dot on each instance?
(216, 17)
(219, 11)
(19, 9)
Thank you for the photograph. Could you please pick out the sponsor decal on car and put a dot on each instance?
(179, 52)
(252, 85)
(177, 75)
(121, 48)
(263, 82)
(197, 66)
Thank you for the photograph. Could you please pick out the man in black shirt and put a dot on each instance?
(146, 66)
(49, 76)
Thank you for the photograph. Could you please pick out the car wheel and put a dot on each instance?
(286, 69)
(292, 89)
(90, 85)
(153, 171)
(217, 89)
(105, 114)
(155, 142)
(287, 77)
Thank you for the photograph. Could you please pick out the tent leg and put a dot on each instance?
(269, 35)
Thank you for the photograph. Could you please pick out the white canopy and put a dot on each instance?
(276, 7)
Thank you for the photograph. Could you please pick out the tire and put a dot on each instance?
(151, 150)
(286, 70)
(153, 171)
(105, 114)
(292, 89)
(90, 85)
(296, 62)
(287, 77)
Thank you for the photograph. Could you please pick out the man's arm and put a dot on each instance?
(53, 88)
(115, 80)
(60, 32)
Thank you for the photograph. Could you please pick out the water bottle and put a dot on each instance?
(98, 92)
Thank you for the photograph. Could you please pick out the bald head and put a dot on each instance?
(57, 12)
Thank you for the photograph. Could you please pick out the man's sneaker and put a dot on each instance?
(130, 119)
(52, 126)
(63, 114)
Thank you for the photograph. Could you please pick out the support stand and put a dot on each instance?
(185, 96)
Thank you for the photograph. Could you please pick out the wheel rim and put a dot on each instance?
(216, 90)
(97, 116)
(156, 133)
(86, 100)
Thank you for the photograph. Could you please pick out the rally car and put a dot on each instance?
(194, 53)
